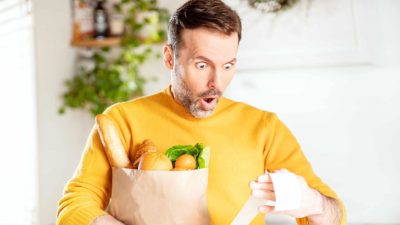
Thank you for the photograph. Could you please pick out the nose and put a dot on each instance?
(214, 81)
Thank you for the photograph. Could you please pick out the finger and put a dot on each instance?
(265, 178)
(265, 186)
(266, 195)
(265, 209)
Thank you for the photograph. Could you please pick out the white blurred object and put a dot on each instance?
(18, 168)
(85, 52)
(250, 210)
(116, 24)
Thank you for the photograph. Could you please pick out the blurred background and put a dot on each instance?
(330, 69)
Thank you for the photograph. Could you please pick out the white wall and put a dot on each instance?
(61, 138)
(346, 118)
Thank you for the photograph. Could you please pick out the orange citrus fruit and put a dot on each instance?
(185, 161)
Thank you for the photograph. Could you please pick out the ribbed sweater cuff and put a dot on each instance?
(83, 216)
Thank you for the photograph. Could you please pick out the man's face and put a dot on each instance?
(204, 68)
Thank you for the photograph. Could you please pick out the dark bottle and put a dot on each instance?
(100, 21)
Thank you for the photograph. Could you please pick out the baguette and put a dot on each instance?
(111, 141)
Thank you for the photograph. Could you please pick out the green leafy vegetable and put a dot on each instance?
(198, 151)
(204, 158)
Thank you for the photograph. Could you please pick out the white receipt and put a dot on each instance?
(287, 194)
(250, 210)
(287, 190)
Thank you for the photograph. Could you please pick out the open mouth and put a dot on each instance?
(209, 100)
(208, 103)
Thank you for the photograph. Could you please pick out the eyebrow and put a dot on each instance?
(208, 60)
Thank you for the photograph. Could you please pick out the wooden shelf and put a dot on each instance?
(96, 43)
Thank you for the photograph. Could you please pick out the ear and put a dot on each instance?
(168, 56)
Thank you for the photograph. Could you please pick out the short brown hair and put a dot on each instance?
(210, 14)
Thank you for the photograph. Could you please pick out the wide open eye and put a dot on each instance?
(201, 65)
(228, 66)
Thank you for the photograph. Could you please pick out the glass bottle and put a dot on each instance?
(101, 26)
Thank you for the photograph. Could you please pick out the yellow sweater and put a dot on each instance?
(244, 143)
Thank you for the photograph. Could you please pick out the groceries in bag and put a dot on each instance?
(150, 187)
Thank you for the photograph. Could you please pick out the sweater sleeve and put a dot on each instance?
(283, 151)
(87, 193)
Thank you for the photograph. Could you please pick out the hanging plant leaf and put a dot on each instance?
(116, 79)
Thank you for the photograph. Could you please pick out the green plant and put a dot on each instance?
(115, 79)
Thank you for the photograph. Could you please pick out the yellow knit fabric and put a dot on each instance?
(244, 143)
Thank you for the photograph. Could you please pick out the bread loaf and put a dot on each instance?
(111, 141)
(146, 146)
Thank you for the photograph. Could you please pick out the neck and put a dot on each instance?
(174, 95)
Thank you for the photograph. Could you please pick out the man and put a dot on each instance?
(201, 55)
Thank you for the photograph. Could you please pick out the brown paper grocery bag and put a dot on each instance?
(159, 197)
